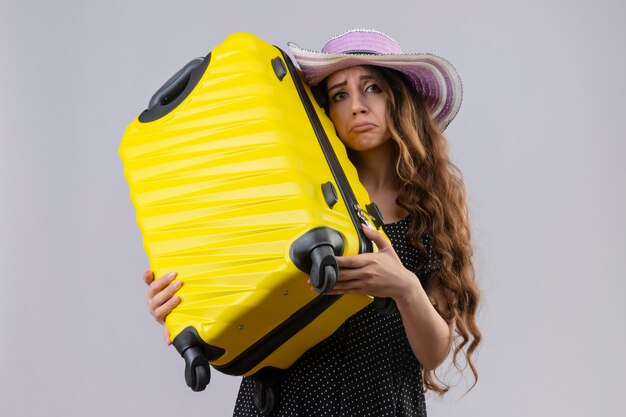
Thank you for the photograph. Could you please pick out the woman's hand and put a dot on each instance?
(379, 274)
(161, 298)
(382, 274)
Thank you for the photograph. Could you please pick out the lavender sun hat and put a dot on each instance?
(434, 78)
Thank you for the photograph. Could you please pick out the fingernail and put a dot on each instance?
(178, 284)
(171, 275)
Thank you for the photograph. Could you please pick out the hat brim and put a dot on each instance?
(434, 78)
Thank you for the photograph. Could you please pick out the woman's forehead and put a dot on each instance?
(356, 71)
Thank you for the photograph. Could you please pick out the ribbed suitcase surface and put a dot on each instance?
(223, 184)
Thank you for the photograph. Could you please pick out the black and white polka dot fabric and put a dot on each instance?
(366, 368)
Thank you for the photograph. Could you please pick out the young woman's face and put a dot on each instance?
(357, 107)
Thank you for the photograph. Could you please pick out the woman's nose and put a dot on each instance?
(358, 105)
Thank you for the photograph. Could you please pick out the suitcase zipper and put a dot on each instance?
(356, 212)
(265, 346)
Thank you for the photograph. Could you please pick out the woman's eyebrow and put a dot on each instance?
(341, 84)
(344, 83)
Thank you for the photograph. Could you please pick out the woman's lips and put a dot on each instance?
(362, 127)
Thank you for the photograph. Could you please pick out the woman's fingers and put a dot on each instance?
(354, 261)
(376, 237)
(159, 285)
(343, 287)
(160, 312)
(166, 294)
(148, 277)
(377, 274)
(160, 297)
(162, 282)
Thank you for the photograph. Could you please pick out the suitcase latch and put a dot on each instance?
(361, 214)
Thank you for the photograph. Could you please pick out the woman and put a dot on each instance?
(389, 110)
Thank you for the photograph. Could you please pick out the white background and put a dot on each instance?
(540, 138)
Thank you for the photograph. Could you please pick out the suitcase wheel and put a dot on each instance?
(264, 397)
(323, 268)
(315, 252)
(197, 374)
(266, 383)
(385, 306)
(201, 377)
(328, 279)
(197, 355)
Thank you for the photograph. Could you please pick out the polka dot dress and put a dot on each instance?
(366, 368)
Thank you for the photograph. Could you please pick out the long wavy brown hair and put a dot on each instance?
(433, 193)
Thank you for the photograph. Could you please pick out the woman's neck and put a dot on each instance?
(376, 168)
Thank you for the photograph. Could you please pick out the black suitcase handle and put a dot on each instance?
(175, 90)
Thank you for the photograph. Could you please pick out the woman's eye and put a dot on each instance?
(339, 96)
(373, 88)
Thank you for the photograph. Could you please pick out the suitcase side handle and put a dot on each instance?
(175, 90)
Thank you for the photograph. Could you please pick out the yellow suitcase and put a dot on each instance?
(241, 185)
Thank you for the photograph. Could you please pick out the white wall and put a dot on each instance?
(540, 137)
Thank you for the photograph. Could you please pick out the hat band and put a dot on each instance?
(360, 52)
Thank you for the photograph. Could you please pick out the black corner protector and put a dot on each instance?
(300, 251)
(189, 338)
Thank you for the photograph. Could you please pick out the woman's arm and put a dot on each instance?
(382, 274)
(429, 335)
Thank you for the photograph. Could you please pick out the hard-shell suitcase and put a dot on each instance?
(241, 185)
